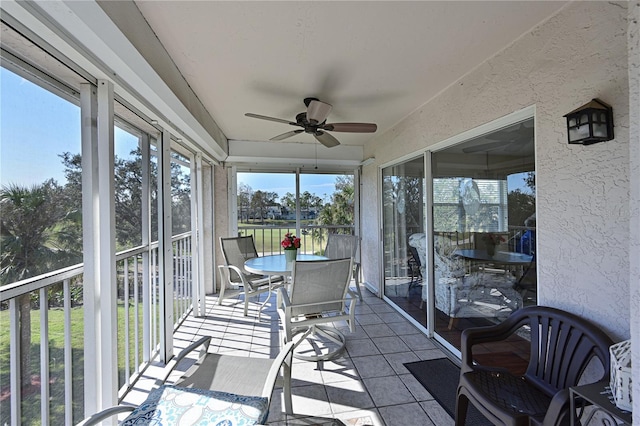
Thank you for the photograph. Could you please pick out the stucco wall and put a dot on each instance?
(582, 191)
(220, 205)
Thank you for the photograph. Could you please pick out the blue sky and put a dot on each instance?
(321, 185)
(36, 126)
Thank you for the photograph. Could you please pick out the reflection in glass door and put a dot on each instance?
(403, 222)
(483, 229)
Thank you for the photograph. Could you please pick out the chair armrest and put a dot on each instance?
(285, 356)
(493, 333)
(105, 414)
(284, 296)
(559, 403)
(323, 302)
(204, 342)
(227, 268)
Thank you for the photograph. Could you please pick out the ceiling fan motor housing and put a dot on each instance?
(309, 127)
(314, 122)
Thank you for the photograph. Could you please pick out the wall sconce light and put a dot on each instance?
(591, 123)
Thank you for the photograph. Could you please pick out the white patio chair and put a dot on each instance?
(227, 385)
(340, 246)
(235, 279)
(318, 295)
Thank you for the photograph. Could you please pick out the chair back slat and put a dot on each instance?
(236, 251)
(562, 346)
(340, 246)
(316, 282)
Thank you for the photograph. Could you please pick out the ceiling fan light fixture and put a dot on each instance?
(313, 122)
(317, 112)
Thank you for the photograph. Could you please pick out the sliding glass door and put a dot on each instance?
(483, 229)
(403, 230)
(474, 243)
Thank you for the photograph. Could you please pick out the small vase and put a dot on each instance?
(290, 255)
(491, 250)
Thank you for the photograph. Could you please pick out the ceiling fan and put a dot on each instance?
(508, 141)
(314, 122)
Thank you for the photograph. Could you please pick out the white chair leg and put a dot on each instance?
(286, 389)
(357, 279)
(223, 284)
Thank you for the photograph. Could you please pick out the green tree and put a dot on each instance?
(340, 209)
(288, 200)
(39, 232)
(260, 201)
(180, 199)
(245, 192)
(522, 204)
(128, 195)
(309, 201)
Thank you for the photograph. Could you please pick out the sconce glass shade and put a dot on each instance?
(591, 123)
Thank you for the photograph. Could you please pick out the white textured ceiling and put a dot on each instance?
(374, 61)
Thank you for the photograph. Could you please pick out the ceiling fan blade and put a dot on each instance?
(326, 139)
(484, 147)
(286, 135)
(264, 117)
(509, 135)
(517, 145)
(318, 111)
(351, 127)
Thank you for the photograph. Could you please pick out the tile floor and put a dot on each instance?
(366, 385)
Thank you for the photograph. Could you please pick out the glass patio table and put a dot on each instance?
(275, 264)
(503, 257)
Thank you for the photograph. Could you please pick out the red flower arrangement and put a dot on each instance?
(290, 242)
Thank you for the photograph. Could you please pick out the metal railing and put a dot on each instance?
(42, 333)
(313, 238)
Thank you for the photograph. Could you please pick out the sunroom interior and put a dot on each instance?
(470, 147)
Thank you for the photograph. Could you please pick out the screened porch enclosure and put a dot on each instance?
(116, 265)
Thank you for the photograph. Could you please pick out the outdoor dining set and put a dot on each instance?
(312, 291)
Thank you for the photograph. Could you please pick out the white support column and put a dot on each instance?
(209, 230)
(145, 149)
(98, 211)
(298, 212)
(108, 330)
(45, 388)
(197, 232)
(90, 238)
(165, 248)
(428, 215)
(15, 372)
(356, 207)
(232, 190)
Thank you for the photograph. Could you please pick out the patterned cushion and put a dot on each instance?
(172, 405)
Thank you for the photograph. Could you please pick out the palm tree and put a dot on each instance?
(38, 233)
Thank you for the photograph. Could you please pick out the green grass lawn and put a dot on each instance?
(31, 397)
(271, 234)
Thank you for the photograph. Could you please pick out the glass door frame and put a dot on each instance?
(515, 117)
(428, 330)
(495, 125)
